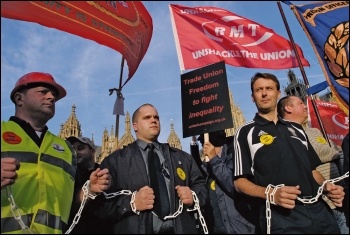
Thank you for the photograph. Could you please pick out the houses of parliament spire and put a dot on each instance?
(173, 139)
(71, 127)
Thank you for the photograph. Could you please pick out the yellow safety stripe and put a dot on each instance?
(43, 217)
(30, 157)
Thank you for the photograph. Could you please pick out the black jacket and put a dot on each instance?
(88, 223)
(128, 172)
(224, 212)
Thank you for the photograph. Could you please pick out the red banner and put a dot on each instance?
(123, 26)
(206, 35)
(334, 120)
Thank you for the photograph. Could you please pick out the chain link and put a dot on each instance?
(173, 216)
(88, 194)
(15, 211)
(320, 189)
(78, 214)
(121, 192)
(270, 196)
(197, 207)
(132, 203)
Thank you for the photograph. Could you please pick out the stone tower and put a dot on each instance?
(237, 117)
(127, 138)
(108, 140)
(108, 143)
(295, 86)
(71, 127)
(173, 139)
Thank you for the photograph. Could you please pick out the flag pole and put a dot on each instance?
(117, 115)
(303, 72)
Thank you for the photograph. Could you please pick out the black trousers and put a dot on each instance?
(316, 218)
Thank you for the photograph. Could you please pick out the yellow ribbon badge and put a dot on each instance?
(266, 139)
(181, 173)
(212, 185)
(321, 140)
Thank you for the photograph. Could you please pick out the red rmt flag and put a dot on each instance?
(206, 35)
(335, 121)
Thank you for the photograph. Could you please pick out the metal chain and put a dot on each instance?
(197, 207)
(132, 203)
(270, 196)
(78, 215)
(17, 215)
(173, 216)
(88, 194)
(320, 189)
(15, 211)
(121, 192)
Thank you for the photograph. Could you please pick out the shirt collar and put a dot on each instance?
(24, 124)
(262, 121)
(143, 144)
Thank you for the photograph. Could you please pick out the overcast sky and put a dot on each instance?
(88, 70)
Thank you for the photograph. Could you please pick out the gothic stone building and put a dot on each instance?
(110, 143)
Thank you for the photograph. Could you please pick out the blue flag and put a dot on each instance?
(317, 88)
(327, 26)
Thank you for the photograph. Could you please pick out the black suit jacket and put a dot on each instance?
(128, 172)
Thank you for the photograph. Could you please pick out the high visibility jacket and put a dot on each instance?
(44, 188)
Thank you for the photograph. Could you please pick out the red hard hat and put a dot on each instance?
(38, 77)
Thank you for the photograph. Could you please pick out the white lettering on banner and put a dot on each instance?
(245, 54)
(208, 51)
(346, 121)
(200, 11)
(335, 136)
(248, 54)
(326, 104)
(277, 55)
(236, 31)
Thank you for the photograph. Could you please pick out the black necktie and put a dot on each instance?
(161, 202)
